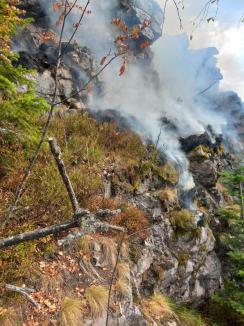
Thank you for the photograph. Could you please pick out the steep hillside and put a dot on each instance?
(144, 247)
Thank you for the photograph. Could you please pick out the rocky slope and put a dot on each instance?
(176, 253)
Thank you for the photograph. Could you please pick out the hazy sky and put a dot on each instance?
(226, 34)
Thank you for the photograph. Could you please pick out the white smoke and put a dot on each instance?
(165, 88)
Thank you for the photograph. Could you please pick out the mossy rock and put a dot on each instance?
(201, 151)
(183, 221)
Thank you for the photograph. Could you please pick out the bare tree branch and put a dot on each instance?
(88, 223)
(24, 291)
(75, 30)
(62, 170)
(178, 13)
(164, 12)
(84, 87)
(203, 14)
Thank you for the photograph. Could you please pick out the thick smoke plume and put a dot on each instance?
(169, 91)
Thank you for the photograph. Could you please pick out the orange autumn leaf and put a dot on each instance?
(122, 69)
(103, 60)
(144, 44)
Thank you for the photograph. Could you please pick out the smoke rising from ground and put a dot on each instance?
(168, 86)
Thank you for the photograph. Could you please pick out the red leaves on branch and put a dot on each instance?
(48, 37)
(103, 60)
(57, 6)
(60, 19)
(120, 24)
(146, 23)
(122, 69)
(145, 44)
(128, 35)
(75, 25)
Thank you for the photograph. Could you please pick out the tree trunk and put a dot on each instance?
(37, 234)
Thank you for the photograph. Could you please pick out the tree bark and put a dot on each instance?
(24, 291)
(62, 170)
(37, 234)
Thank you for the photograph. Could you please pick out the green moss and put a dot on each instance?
(183, 259)
(183, 221)
(203, 151)
(196, 233)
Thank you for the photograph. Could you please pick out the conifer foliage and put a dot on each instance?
(20, 107)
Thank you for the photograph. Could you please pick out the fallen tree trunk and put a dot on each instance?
(37, 234)
(86, 221)
(24, 291)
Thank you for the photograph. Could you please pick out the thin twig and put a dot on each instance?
(76, 28)
(158, 138)
(116, 55)
(164, 12)
(178, 13)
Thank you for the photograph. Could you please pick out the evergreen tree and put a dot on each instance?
(20, 107)
(232, 297)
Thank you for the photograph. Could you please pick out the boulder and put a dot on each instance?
(136, 12)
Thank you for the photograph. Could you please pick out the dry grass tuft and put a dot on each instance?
(134, 220)
(95, 203)
(84, 244)
(8, 317)
(188, 317)
(97, 297)
(71, 312)
(123, 287)
(123, 271)
(168, 196)
(156, 308)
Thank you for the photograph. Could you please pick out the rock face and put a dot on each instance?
(136, 12)
(182, 265)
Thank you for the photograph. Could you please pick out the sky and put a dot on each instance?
(226, 34)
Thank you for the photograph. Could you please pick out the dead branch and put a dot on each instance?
(61, 167)
(88, 223)
(103, 213)
(24, 291)
(75, 30)
(7, 131)
(178, 14)
(37, 234)
(158, 138)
